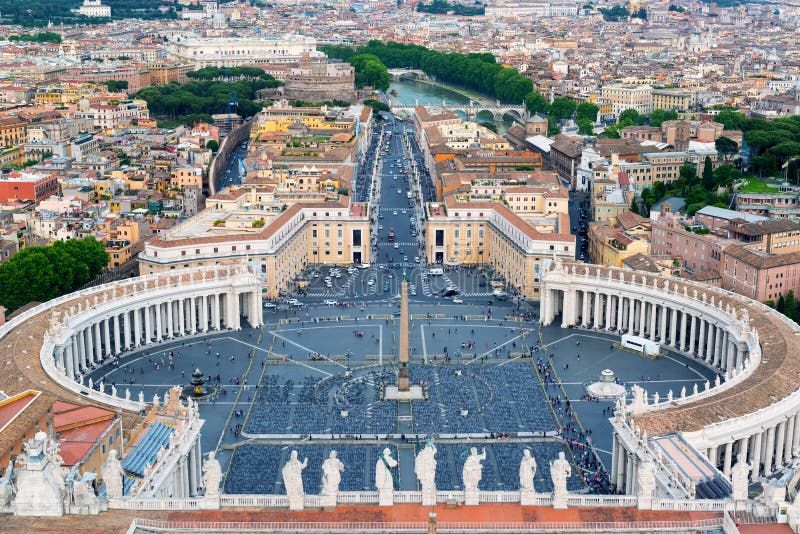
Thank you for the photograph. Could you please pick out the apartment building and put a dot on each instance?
(611, 243)
(626, 96)
(489, 233)
(758, 275)
(683, 240)
(676, 99)
(249, 225)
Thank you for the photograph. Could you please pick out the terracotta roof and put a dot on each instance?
(772, 226)
(761, 260)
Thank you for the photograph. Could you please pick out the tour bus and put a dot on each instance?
(640, 344)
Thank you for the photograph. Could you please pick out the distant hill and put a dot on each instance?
(37, 13)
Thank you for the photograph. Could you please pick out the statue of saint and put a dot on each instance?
(292, 475)
(383, 473)
(112, 475)
(331, 474)
(560, 471)
(472, 472)
(212, 475)
(740, 479)
(527, 471)
(425, 467)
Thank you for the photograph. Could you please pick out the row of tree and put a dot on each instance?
(38, 274)
(443, 7)
(40, 37)
(185, 102)
(773, 143)
(478, 71)
(787, 305)
(370, 71)
(40, 13)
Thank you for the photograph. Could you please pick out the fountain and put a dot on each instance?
(606, 387)
(198, 388)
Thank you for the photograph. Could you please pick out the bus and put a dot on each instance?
(640, 344)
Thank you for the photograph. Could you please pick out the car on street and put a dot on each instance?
(293, 302)
(270, 305)
(399, 191)
(394, 212)
(458, 301)
(386, 287)
(329, 302)
(416, 259)
(371, 282)
(397, 245)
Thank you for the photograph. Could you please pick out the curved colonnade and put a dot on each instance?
(753, 407)
(82, 331)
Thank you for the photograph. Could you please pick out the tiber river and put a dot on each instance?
(411, 92)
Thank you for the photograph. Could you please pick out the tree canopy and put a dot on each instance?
(184, 102)
(658, 116)
(370, 71)
(478, 72)
(43, 273)
(443, 7)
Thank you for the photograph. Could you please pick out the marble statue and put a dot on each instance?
(331, 474)
(527, 471)
(292, 473)
(740, 479)
(212, 475)
(425, 469)
(383, 473)
(141, 397)
(112, 475)
(425, 466)
(473, 470)
(560, 471)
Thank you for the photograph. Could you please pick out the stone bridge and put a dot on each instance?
(413, 74)
(471, 111)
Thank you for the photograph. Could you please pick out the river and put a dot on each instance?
(413, 92)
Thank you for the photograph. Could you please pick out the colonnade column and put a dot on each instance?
(780, 436)
(769, 450)
(69, 359)
(159, 326)
(193, 315)
(127, 330)
(726, 466)
(182, 316)
(204, 313)
(631, 306)
(719, 333)
(701, 338)
(137, 325)
(107, 335)
(597, 307)
(169, 331)
(81, 351)
(756, 457)
(585, 309)
(692, 335)
(148, 324)
(88, 354)
(116, 333)
(620, 308)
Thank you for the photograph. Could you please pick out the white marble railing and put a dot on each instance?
(370, 497)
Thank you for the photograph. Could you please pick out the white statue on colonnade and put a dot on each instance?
(292, 473)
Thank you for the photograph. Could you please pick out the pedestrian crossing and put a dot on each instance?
(401, 243)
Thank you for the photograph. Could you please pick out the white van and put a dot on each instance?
(436, 272)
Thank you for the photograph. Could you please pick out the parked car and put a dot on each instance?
(458, 301)
(329, 302)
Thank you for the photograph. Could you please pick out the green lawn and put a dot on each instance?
(754, 185)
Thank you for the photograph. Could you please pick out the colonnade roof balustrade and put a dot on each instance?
(776, 379)
(23, 336)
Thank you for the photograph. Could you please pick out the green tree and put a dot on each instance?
(708, 174)
(726, 175)
(726, 147)
(212, 145)
(781, 305)
(536, 103)
(658, 116)
(731, 120)
(634, 205)
(788, 308)
(587, 110)
(585, 126)
(631, 115)
(552, 126)
(612, 132)
(562, 108)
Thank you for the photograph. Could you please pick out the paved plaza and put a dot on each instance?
(313, 378)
